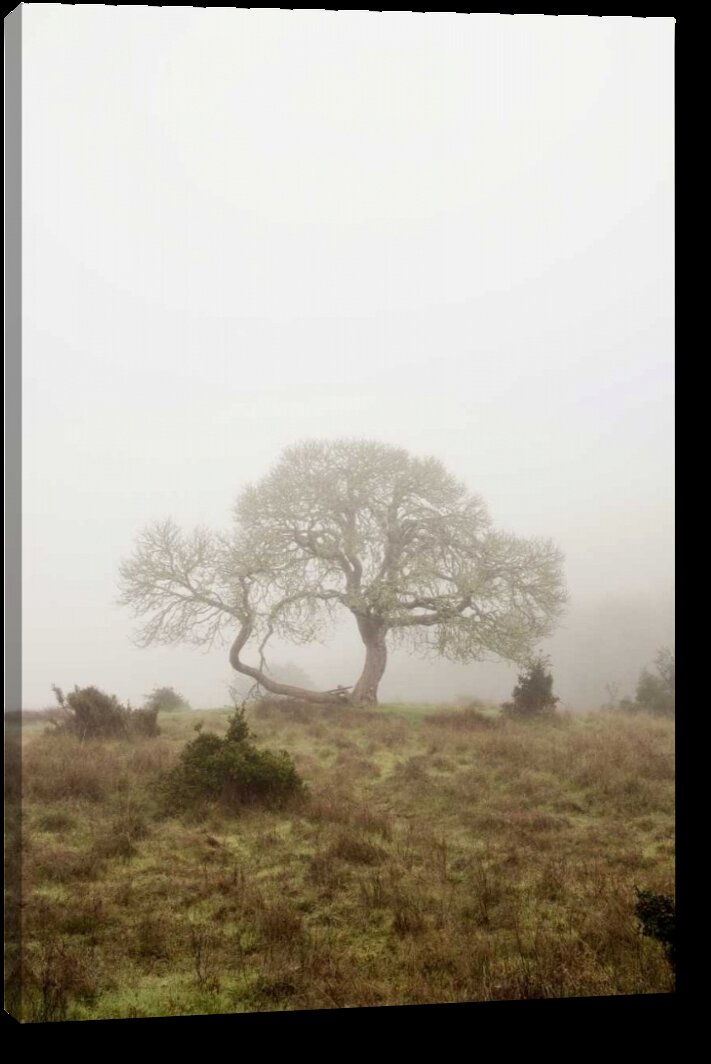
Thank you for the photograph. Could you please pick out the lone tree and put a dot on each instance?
(352, 526)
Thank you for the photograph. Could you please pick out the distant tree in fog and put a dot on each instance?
(352, 526)
(166, 700)
(657, 694)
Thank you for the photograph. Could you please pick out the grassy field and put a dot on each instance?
(438, 858)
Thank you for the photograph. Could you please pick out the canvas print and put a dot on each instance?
(341, 664)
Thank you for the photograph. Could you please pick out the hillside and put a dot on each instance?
(441, 856)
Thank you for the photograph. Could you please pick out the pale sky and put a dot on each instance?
(244, 228)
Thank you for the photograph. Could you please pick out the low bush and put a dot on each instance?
(231, 771)
(92, 714)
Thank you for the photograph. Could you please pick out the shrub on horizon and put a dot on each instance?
(90, 713)
(166, 700)
(533, 694)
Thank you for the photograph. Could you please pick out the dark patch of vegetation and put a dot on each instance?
(355, 850)
(231, 771)
(144, 722)
(90, 713)
(408, 920)
(657, 915)
(533, 694)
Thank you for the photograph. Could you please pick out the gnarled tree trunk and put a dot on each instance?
(276, 688)
(373, 633)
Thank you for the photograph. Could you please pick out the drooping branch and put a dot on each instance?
(260, 673)
(269, 684)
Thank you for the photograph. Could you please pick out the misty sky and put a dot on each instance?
(243, 228)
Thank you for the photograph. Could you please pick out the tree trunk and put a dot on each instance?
(276, 688)
(365, 692)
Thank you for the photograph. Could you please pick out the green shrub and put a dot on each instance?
(231, 771)
(92, 714)
(533, 695)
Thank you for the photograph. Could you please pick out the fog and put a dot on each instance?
(246, 228)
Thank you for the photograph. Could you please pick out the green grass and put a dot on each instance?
(436, 859)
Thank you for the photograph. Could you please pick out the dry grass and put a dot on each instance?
(442, 856)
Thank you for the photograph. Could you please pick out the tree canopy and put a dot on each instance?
(355, 526)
